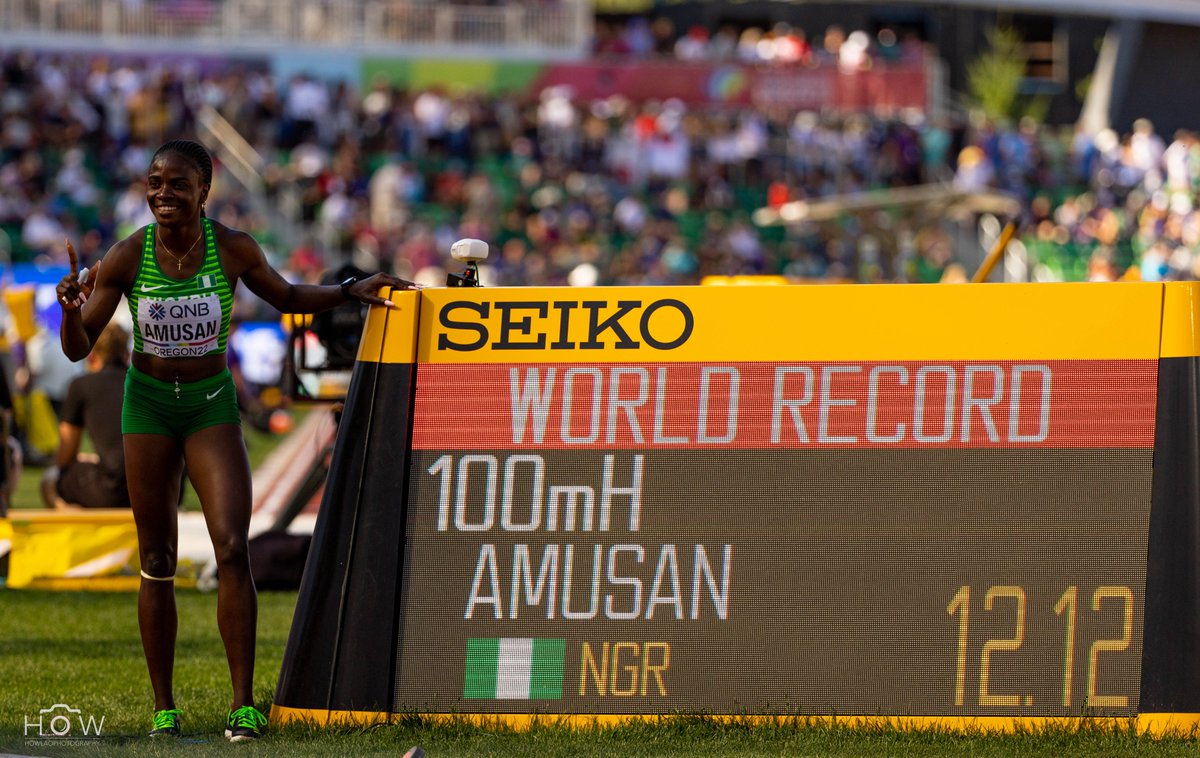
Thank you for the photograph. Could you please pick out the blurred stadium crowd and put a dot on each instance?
(611, 191)
(781, 43)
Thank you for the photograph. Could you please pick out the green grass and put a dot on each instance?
(82, 649)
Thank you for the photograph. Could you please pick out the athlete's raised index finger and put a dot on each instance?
(73, 257)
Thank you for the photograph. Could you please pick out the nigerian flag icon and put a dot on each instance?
(514, 668)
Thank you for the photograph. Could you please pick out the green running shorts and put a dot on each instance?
(153, 406)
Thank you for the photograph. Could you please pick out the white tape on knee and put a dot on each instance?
(170, 578)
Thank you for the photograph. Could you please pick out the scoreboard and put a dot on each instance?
(909, 501)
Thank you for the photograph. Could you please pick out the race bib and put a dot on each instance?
(180, 327)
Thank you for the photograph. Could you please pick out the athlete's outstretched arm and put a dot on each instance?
(251, 266)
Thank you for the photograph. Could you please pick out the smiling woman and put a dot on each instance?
(179, 275)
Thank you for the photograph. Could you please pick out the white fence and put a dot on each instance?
(537, 26)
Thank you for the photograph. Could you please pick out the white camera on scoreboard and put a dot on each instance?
(469, 251)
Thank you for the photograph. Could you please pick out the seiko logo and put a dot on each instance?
(540, 325)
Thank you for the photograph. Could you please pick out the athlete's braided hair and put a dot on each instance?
(194, 152)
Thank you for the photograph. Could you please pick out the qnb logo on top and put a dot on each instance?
(518, 325)
(183, 327)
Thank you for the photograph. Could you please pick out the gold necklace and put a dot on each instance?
(179, 259)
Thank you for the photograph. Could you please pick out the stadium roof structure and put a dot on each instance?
(1164, 11)
(1186, 12)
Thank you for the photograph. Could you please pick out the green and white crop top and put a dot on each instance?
(180, 318)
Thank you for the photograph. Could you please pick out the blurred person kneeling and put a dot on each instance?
(93, 404)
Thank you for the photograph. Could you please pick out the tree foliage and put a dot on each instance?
(994, 78)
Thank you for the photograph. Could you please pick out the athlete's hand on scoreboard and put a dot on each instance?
(367, 290)
(76, 287)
